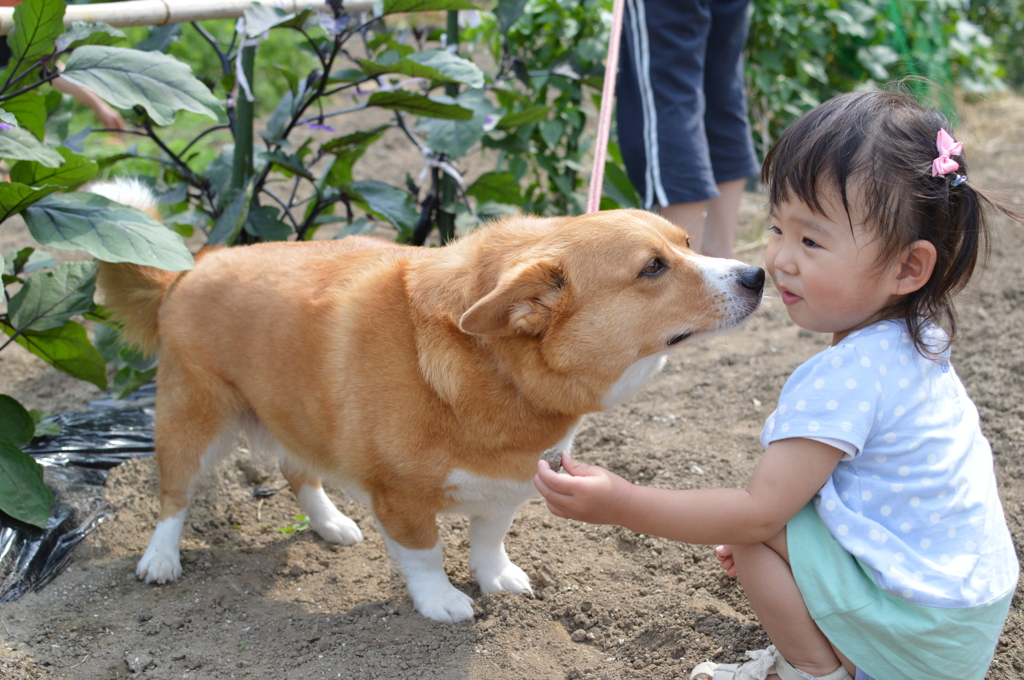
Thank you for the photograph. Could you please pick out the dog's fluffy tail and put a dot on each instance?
(133, 293)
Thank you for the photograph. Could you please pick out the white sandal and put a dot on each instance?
(763, 662)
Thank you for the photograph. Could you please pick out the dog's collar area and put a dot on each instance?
(679, 338)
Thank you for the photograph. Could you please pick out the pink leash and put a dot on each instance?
(604, 122)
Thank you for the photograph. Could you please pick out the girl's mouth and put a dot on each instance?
(789, 298)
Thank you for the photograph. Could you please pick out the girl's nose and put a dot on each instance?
(780, 258)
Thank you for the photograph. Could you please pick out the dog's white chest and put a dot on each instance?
(633, 379)
(473, 493)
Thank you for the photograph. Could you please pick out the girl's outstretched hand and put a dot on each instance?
(586, 492)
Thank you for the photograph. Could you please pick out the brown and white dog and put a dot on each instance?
(421, 380)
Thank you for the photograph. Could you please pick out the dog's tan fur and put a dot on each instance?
(388, 368)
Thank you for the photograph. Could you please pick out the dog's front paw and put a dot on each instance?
(509, 577)
(159, 565)
(338, 529)
(447, 605)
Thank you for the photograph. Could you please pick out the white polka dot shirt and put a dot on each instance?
(915, 498)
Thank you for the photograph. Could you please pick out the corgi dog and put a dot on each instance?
(420, 380)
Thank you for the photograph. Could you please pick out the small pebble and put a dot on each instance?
(554, 458)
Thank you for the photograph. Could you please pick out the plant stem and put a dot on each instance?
(181, 164)
(225, 64)
(446, 220)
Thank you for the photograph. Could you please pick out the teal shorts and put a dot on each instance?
(885, 636)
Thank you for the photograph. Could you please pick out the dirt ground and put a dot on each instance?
(258, 603)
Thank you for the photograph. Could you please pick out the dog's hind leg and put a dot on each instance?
(194, 427)
(488, 561)
(326, 520)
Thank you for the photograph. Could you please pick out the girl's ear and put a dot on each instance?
(916, 268)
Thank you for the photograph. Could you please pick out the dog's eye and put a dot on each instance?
(653, 267)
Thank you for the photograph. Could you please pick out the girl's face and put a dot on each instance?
(829, 276)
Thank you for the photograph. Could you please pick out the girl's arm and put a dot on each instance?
(787, 477)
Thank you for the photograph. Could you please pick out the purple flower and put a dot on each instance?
(5, 126)
(320, 126)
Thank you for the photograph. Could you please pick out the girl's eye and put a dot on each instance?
(654, 266)
(774, 230)
(809, 243)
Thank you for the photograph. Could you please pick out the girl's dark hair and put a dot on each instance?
(881, 145)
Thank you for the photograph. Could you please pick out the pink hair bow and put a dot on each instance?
(947, 147)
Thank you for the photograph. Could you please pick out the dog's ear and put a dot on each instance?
(521, 303)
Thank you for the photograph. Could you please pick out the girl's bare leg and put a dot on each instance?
(763, 569)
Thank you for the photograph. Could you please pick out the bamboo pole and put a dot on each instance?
(160, 12)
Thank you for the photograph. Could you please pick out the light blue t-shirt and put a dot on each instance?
(917, 499)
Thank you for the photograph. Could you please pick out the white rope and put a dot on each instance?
(243, 82)
(431, 161)
(160, 12)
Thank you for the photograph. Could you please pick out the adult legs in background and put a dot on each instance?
(682, 118)
(711, 224)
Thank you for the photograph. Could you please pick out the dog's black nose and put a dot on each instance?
(752, 278)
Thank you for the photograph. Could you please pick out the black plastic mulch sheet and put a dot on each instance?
(75, 469)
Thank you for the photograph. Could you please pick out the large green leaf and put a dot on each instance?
(393, 204)
(23, 494)
(134, 368)
(396, 6)
(81, 33)
(261, 18)
(360, 138)
(126, 77)
(439, 65)
(499, 187)
(531, 115)
(28, 260)
(236, 209)
(75, 171)
(360, 225)
(49, 300)
(290, 103)
(262, 221)
(456, 137)
(618, 187)
(291, 163)
(106, 230)
(67, 349)
(30, 110)
(16, 425)
(160, 38)
(37, 24)
(127, 380)
(419, 105)
(347, 151)
(508, 12)
(15, 197)
(19, 144)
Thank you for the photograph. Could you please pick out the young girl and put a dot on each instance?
(870, 538)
